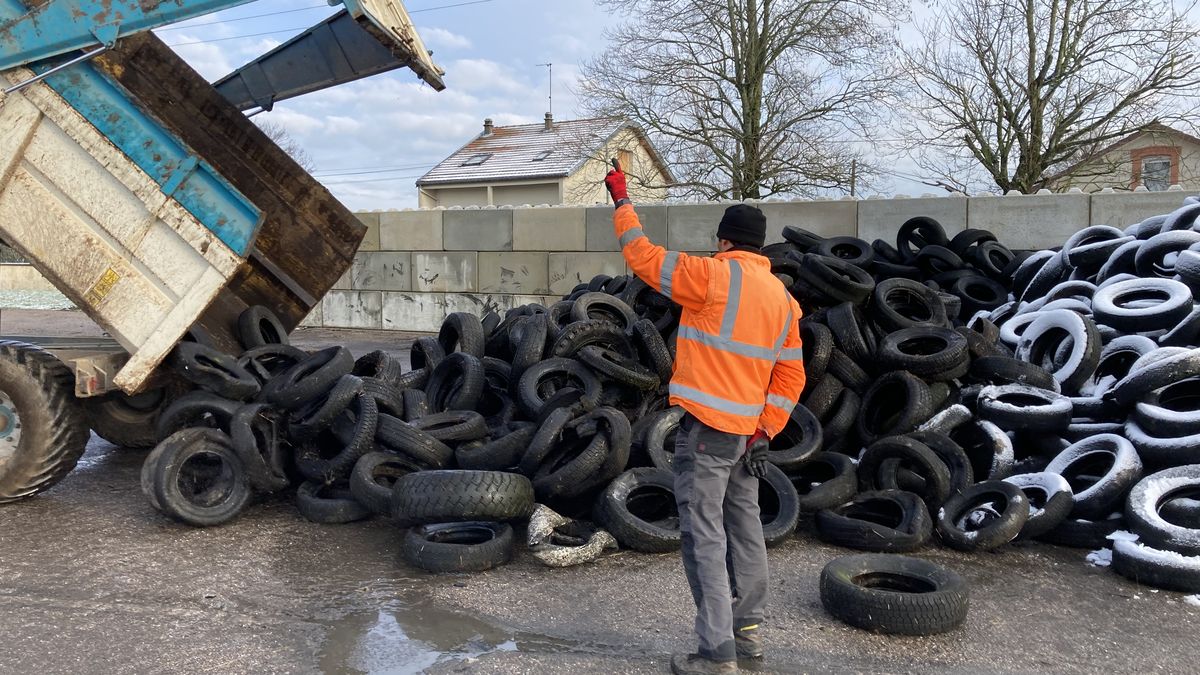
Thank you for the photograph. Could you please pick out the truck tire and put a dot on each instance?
(37, 392)
(128, 421)
(457, 496)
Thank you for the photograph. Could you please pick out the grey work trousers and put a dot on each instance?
(724, 556)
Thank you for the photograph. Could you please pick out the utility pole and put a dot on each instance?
(853, 175)
(550, 75)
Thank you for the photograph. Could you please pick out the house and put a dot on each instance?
(548, 163)
(1156, 157)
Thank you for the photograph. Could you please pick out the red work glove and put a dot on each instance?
(615, 182)
(756, 454)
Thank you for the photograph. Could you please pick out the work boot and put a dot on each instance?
(749, 642)
(694, 664)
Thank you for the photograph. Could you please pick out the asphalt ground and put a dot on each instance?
(94, 580)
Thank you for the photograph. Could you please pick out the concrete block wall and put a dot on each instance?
(417, 266)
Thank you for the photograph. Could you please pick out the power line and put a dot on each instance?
(371, 180)
(329, 173)
(246, 18)
(292, 30)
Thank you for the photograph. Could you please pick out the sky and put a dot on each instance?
(370, 140)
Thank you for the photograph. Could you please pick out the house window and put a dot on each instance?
(541, 156)
(1156, 172)
(476, 160)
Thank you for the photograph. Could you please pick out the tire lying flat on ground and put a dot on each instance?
(458, 547)
(894, 594)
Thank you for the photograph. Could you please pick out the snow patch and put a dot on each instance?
(1101, 558)
(1193, 600)
(1122, 535)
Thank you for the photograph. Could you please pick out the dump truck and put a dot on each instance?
(145, 195)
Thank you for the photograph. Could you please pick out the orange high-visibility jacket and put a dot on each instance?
(738, 362)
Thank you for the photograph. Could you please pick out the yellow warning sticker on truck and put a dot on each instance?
(102, 287)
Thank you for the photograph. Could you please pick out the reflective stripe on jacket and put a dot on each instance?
(738, 362)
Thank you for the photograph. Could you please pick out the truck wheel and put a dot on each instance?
(127, 421)
(42, 431)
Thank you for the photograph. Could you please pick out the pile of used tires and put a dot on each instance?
(957, 391)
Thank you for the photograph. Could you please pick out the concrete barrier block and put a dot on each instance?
(23, 277)
(313, 320)
(1121, 209)
(480, 303)
(346, 281)
(570, 269)
(693, 227)
(477, 230)
(826, 217)
(1030, 221)
(371, 241)
(420, 312)
(410, 230)
(352, 309)
(382, 271)
(439, 272)
(882, 218)
(600, 226)
(521, 272)
(549, 229)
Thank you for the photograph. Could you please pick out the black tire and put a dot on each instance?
(258, 326)
(652, 349)
(779, 506)
(638, 508)
(895, 404)
(1019, 407)
(449, 548)
(215, 371)
(198, 478)
(1161, 569)
(603, 307)
(987, 446)
(931, 353)
(837, 279)
(457, 496)
(972, 521)
(1152, 256)
(1027, 270)
(592, 332)
(1146, 500)
(612, 365)
(904, 303)
(825, 481)
(848, 372)
(660, 437)
(329, 504)
(379, 365)
(403, 438)
(821, 398)
(196, 408)
(817, 344)
(1101, 470)
(268, 361)
(911, 455)
(453, 426)
(456, 383)
(530, 347)
(374, 476)
(979, 294)
(539, 382)
(958, 465)
(416, 404)
(501, 454)
(425, 353)
(128, 421)
(308, 379)
(992, 258)
(462, 332)
(850, 332)
(255, 433)
(894, 594)
(934, 259)
(1150, 375)
(362, 421)
(890, 521)
(798, 442)
(1116, 359)
(1050, 501)
(849, 249)
(1008, 370)
(1124, 305)
(319, 413)
(387, 397)
(837, 427)
(38, 392)
(917, 233)
(1087, 534)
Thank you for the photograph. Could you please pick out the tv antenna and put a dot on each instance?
(550, 76)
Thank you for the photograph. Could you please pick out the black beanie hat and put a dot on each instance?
(743, 224)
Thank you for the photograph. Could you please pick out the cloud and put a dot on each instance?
(440, 37)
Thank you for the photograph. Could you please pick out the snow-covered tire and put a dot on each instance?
(960, 527)
(1041, 340)
(1152, 567)
(1050, 501)
(1151, 372)
(1082, 533)
(1018, 407)
(1108, 456)
(1124, 305)
(1142, 509)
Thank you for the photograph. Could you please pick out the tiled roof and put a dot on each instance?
(511, 152)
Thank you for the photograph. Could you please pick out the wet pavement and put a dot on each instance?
(92, 579)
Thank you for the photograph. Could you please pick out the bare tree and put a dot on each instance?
(749, 98)
(288, 144)
(1007, 93)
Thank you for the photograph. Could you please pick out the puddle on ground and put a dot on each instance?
(403, 640)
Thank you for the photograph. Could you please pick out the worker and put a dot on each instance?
(738, 374)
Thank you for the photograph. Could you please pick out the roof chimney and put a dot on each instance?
(549, 122)
(487, 126)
